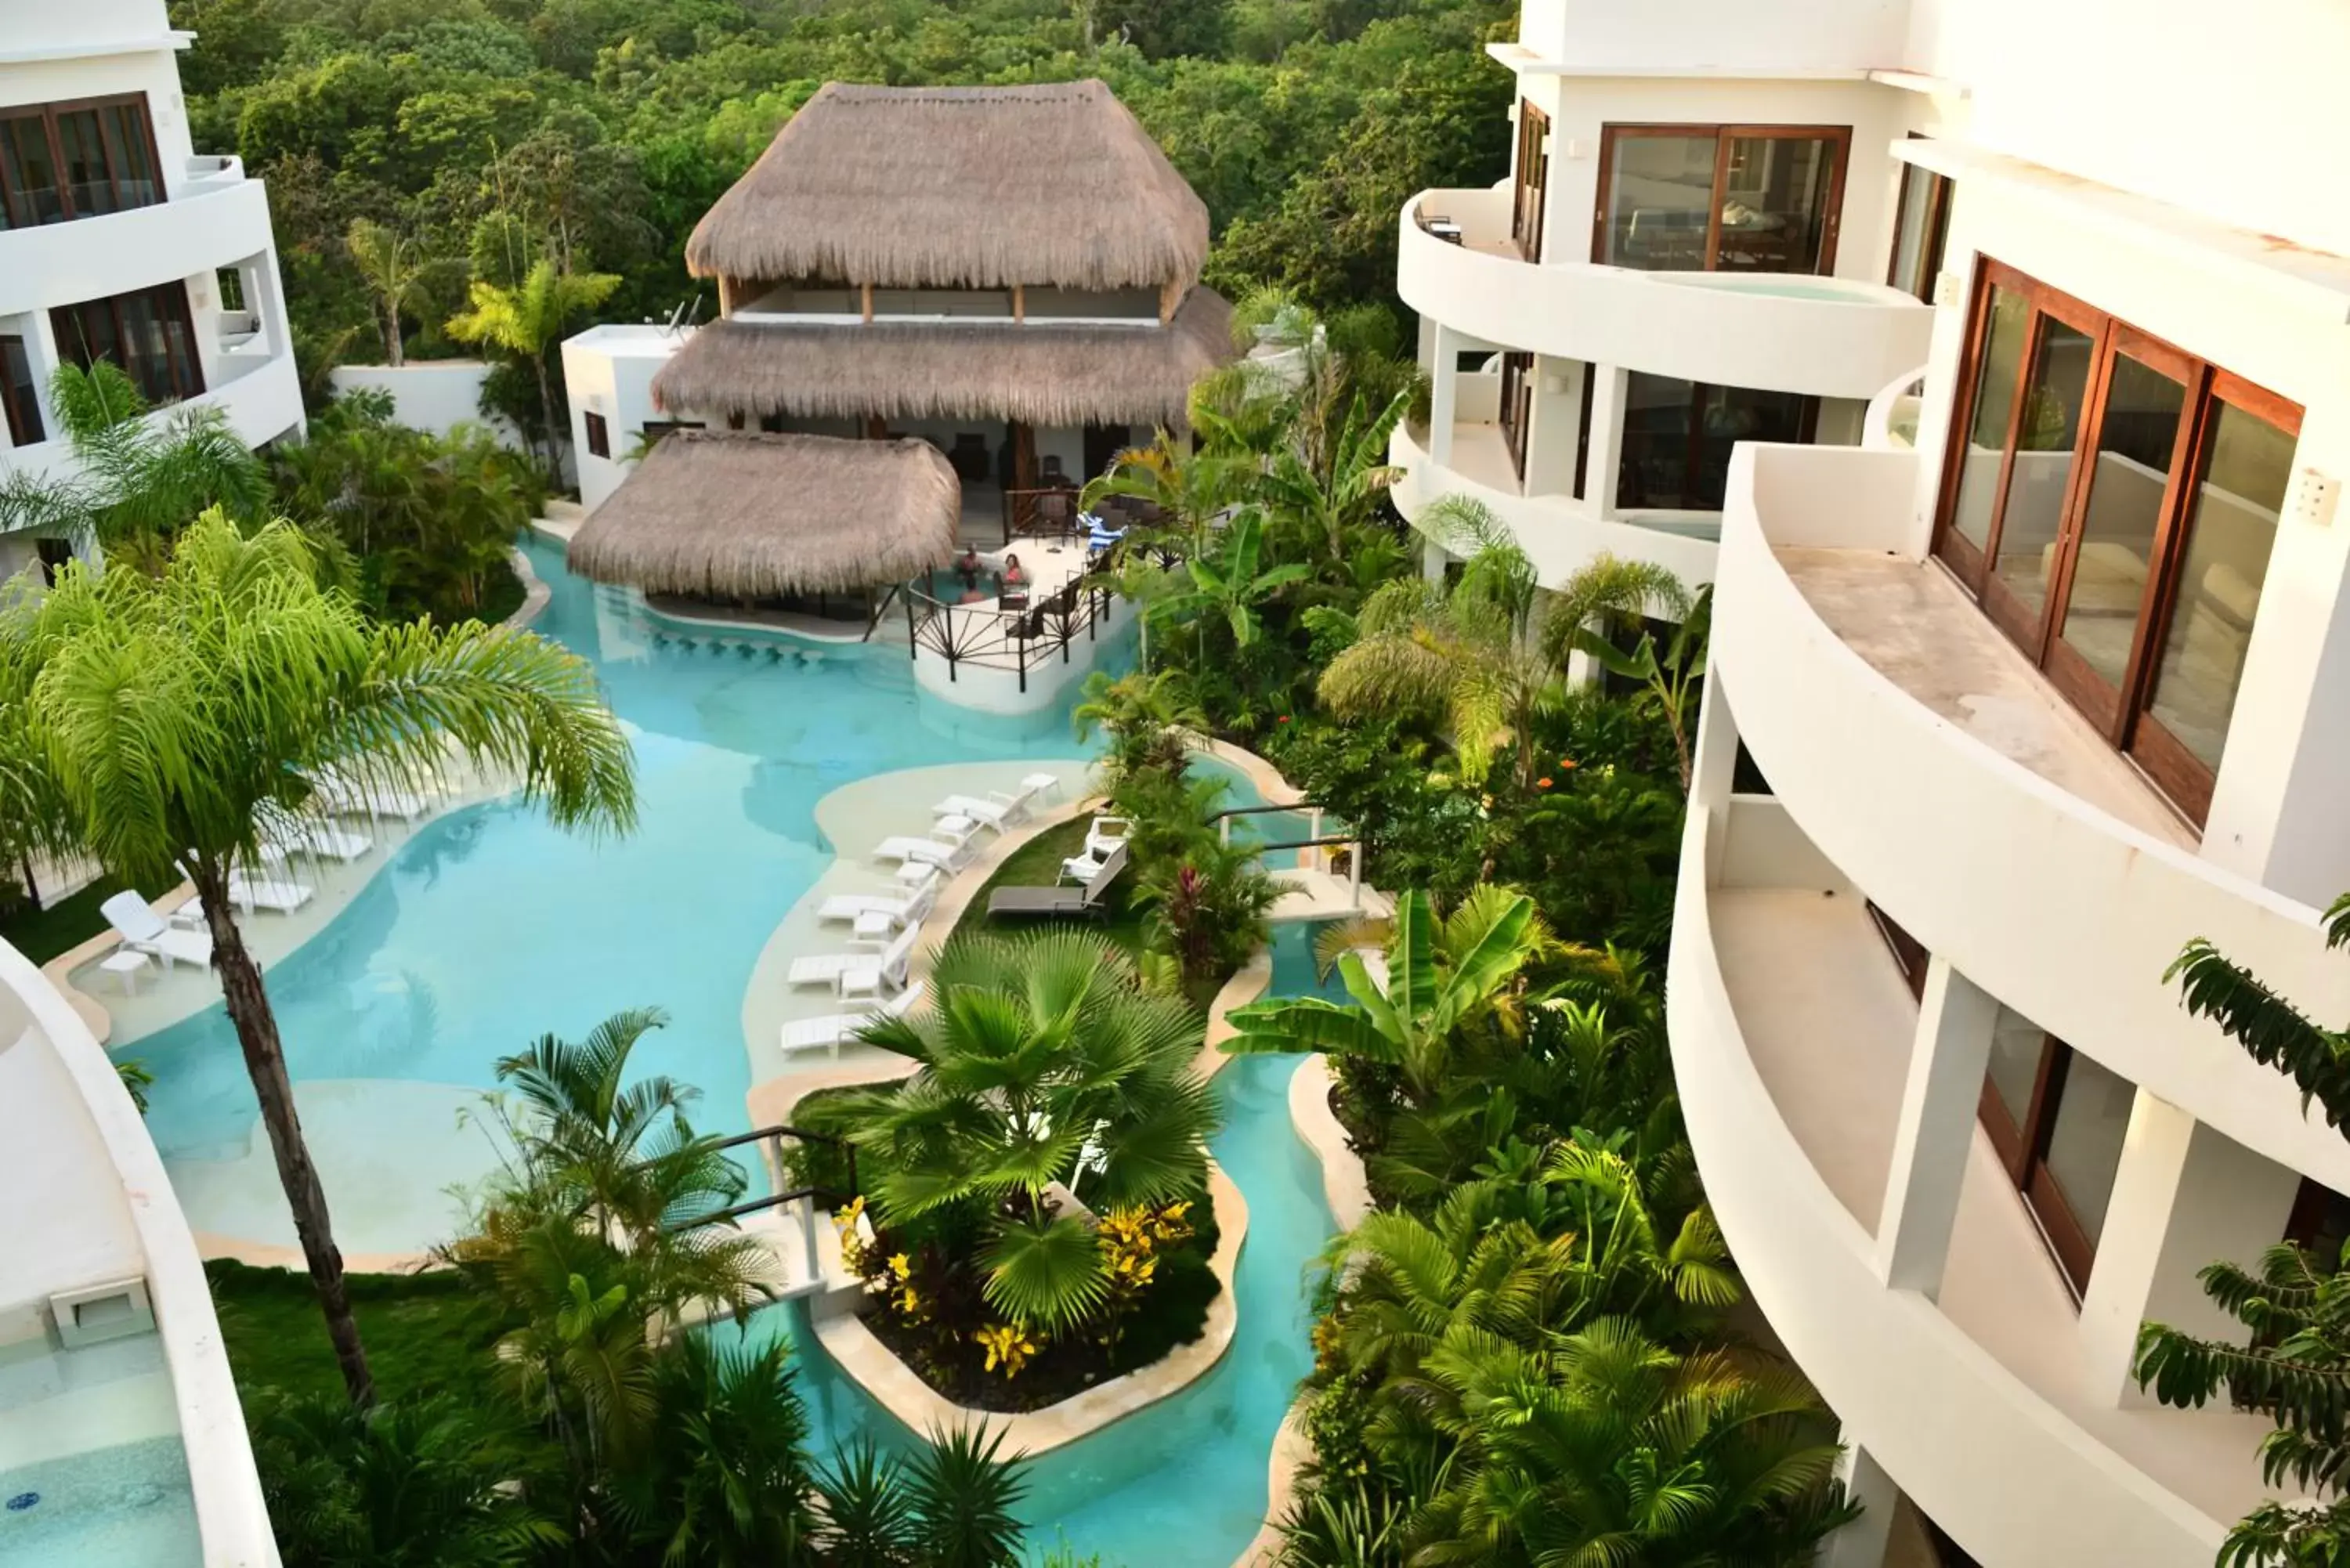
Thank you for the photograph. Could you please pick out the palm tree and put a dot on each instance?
(723, 1481)
(1464, 651)
(152, 723)
(1444, 977)
(389, 264)
(1605, 1446)
(1229, 585)
(527, 321)
(422, 1483)
(1039, 1051)
(1607, 595)
(1150, 719)
(137, 479)
(616, 1148)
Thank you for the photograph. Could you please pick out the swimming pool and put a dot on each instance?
(490, 928)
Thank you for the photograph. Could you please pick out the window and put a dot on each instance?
(2058, 1121)
(1530, 181)
(1719, 198)
(599, 436)
(1678, 437)
(2112, 503)
(17, 398)
(1921, 225)
(146, 332)
(1910, 954)
(230, 281)
(1517, 406)
(64, 161)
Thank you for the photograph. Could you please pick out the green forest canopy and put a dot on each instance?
(487, 130)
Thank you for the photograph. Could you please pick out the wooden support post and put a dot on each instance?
(1019, 302)
(1171, 295)
(725, 295)
(865, 291)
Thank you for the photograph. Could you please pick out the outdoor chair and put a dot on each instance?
(143, 931)
(1089, 900)
(832, 1029)
(868, 971)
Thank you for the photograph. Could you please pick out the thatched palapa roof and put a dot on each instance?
(1044, 373)
(960, 187)
(740, 515)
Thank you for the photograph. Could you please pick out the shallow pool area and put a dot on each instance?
(92, 1474)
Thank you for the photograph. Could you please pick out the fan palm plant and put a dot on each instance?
(1042, 1062)
(1604, 1447)
(724, 1481)
(1445, 975)
(527, 321)
(1607, 595)
(153, 723)
(137, 480)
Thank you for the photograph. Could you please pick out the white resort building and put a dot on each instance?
(2016, 394)
(118, 241)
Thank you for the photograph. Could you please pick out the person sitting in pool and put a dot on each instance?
(967, 568)
(1013, 577)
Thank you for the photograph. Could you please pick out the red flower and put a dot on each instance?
(1542, 783)
(1566, 761)
(1282, 719)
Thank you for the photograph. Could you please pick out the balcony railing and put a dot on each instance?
(1826, 337)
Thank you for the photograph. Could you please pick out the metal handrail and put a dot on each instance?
(995, 637)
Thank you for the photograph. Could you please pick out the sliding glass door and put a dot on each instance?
(2058, 1122)
(1530, 181)
(2112, 502)
(1719, 198)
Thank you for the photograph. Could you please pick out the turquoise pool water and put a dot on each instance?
(491, 927)
(106, 1508)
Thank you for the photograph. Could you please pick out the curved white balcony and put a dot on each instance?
(115, 1359)
(259, 391)
(1789, 1040)
(1941, 775)
(1826, 337)
(1557, 532)
(215, 221)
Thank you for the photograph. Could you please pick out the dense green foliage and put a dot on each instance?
(2295, 1304)
(481, 136)
(544, 1404)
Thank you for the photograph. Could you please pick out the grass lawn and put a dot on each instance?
(42, 934)
(424, 1333)
(1038, 863)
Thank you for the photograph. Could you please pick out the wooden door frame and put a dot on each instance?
(2004, 606)
(48, 114)
(1722, 134)
(1526, 229)
(1516, 408)
(1936, 233)
(2023, 1154)
(2177, 772)
(2109, 708)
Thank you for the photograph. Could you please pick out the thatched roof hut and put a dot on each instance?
(961, 187)
(739, 516)
(1043, 373)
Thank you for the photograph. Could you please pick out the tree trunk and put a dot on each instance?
(264, 1063)
(547, 420)
(391, 345)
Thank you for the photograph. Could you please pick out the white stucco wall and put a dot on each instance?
(434, 395)
(609, 371)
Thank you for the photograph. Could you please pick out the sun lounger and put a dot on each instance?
(829, 1030)
(278, 895)
(874, 967)
(1106, 833)
(143, 931)
(324, 838)
(912, 905)
(928, 851)
(1044, 901)
(362, 797)
(993, 814)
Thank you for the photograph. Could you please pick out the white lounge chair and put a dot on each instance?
(363, 798)
(911, 906)
(993, 814)
(143, 931)
(1106, 833)
(266, 890)
(833, 1028)
(322, 839)
(935, 852)
(873, 970)
(1033, 788)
